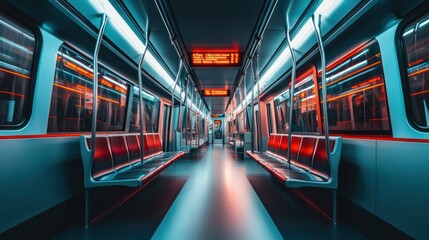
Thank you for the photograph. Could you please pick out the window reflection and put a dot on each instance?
(415, 39)
(72, 97)
(356, 92)
(17, 45)
(304, 115)
(151, 106)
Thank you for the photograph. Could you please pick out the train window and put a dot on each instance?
(356, 92)
(71, 103)
(270, 124)
(151, 106)
(415, 39)
(17, 46)
(242, 122)
(304, 106)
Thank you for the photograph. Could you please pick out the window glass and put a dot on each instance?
(356, 92)
(415, 38)
(151, 106)
(304, 115)
(242, 122)
(17, 46)
(71, 104)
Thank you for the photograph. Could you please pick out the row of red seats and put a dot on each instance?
(309, 165)
(117, 161)
(119, 153)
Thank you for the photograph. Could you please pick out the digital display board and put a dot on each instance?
(215, 59)
(216, 92)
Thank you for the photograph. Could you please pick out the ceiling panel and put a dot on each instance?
(216, 25)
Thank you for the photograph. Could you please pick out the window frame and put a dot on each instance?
(18, 18)
(304, 72)
(402, 63)
(105, 71)
(332, 64)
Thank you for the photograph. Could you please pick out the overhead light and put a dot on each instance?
(124, 29)
(326, 8)
(147, 95)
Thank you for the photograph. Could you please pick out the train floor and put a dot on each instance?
(214, 195)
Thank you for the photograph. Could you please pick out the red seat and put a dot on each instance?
(305, 154)
(158, 144)
(119, 152)
(320, 159)
(271, 142)
(276, 144)
(151, 144)
(133, 148)
(102, 163)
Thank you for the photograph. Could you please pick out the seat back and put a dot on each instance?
(119, 150)
(102, 163)
(283, 146)
(320, 160)
(294, 148)
(271, 141)
(151, 144)
(276, 144)
(305, 154)
(133, 148)
(158, 145)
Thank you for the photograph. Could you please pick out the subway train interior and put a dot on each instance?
(226, 119)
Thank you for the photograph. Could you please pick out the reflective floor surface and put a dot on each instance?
(214, 195)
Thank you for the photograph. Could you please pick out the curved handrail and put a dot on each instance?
(103, 23)
(323, 67)
(292, 86)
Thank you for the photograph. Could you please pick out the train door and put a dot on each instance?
(166, 128)
(218, 131)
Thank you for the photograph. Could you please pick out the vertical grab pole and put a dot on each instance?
(186, 111)
(103, 23)
(172, 148)
(199, 114)
(292, 86)
(256, 73)
(190, 117)
(316, 25)
(323, 67)
(140, 94)
(180, 116)
(253, 107)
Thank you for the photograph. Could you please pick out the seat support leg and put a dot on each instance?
(86, 207)
(334, 207)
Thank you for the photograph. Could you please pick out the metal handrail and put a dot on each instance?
(103, 23)
(172, 148)
(323, 67)
(292, 86)
(140, 94)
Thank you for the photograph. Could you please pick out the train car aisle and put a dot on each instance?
(217, 202)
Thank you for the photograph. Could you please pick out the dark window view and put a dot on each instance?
(72, 106)
(304, 115)
(416, 47)
(17, 45)
(356, 92)
(151, 106)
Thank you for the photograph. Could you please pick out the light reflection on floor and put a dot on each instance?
(217, 202)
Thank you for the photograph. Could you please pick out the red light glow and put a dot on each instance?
(216, 92)
(215, 59)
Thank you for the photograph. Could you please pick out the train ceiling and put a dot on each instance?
(213, 26)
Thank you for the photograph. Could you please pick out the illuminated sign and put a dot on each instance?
(216, 92)
(215, 59)
(217, 116)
